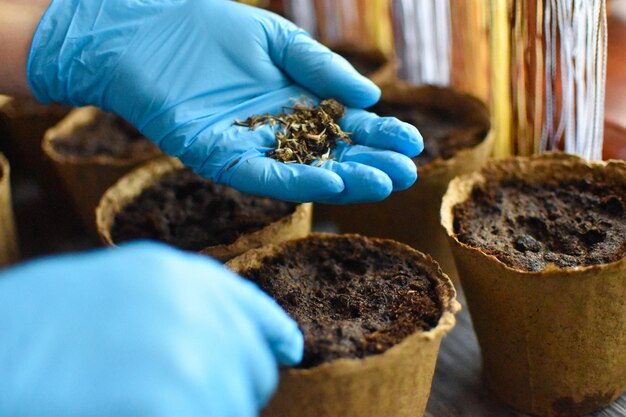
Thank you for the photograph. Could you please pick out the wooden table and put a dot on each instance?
(458, 390)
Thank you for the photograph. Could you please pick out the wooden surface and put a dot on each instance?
(458, 390)
(615, 112)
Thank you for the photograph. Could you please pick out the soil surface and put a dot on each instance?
(106, 135)
(351, 297)
(443, 134)
(191, 213)
(528, 226)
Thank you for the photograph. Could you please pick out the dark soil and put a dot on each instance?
(108, 135)
(528, 226)
(191, 213)
(351, 297)
(444, 135)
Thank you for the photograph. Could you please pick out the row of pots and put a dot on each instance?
(539, 332)
(553, 342)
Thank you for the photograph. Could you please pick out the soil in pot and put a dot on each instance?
(444, 134)
(106, 135)
(191, 213)
(352, 298)
(529, 226)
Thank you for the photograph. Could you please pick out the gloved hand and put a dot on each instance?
(182, 71)
(142, 330)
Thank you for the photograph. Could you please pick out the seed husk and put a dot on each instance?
(307, 133)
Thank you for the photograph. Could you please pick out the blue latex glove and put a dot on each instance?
(182, 71)
(143, 330)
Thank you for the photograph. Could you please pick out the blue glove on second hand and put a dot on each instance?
(183, 71)
(143, 330)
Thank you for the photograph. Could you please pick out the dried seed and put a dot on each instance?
(307, 134)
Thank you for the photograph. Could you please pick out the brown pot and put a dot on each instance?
(87, 178)
(395, 383)
(24, 122)
(412, 216)
(8, 236)
(294, 226)
(553, 342)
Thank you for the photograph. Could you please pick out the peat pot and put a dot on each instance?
(540, 247)
(164, 201)
(90, 150)
(373, 313)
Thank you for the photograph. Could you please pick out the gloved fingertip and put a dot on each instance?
(290, 350)
(382, 190)
(412, 138)
(406, 181)
(363, 94)
(377, 186)
(334, 185)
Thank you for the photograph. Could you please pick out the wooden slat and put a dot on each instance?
(615, 116)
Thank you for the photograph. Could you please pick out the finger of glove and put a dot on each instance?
(280, 331)
(382, 132)
(363, 183)
(318, 69)
(261, 175)
(400, 168)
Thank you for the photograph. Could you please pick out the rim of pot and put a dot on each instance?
(466, 182)
(83, 116)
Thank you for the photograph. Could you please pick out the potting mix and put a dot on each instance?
(351, 297)
(191, 213)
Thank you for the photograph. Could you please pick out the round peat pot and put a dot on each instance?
(91, 150)
(456, 129)
(164, 201)
(373, 313)
(8, 238)
(540, 246)
(24, 122)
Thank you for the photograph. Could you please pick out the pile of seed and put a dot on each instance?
(307, 133)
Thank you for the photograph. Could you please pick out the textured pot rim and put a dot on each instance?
(158, 168)
(78, 117)
(6, 108)
(466, 182)
(445, 289)
(404, 93)
(4, 101)
(5, 169)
